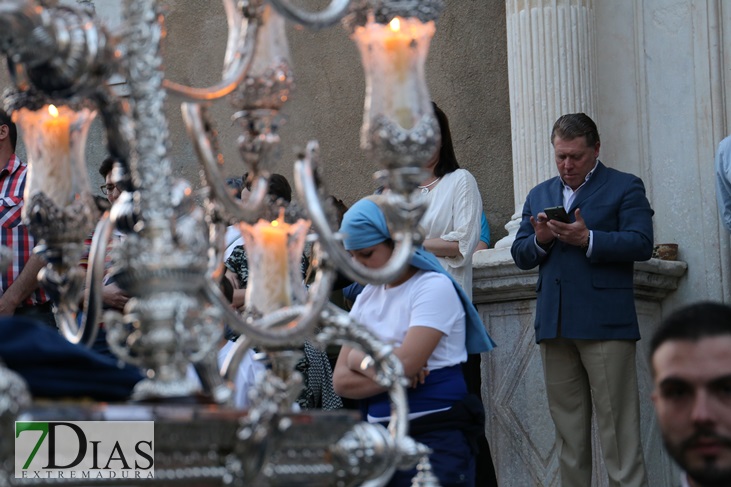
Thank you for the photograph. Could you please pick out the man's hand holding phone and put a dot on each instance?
(557, 213)
(545, 235)
(553, 223)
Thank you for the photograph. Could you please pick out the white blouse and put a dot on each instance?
(455, 209)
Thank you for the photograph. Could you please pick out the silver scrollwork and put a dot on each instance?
(170, 250)
(404, 232)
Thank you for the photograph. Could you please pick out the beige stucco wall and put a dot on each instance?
(467, 76)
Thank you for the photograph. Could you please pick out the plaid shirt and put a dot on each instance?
(13, 233)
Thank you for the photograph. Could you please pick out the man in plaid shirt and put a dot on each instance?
(20, 293)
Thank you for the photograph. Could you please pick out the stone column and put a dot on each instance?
(551, 71)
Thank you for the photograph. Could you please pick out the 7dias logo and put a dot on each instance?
(84, 450)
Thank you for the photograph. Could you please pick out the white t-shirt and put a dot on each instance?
(427, 299)
(454, 214)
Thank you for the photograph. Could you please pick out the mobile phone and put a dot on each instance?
(557, 213)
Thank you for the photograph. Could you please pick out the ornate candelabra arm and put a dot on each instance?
(82, 328)
(327, 17)
(403, 232)
(240, 48)
(231, 362)
(269, 330)
(233, 209)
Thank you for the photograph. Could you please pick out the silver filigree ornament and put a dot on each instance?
(168, 324)
(265, 89)
(384, 11)
(424, 10)
(162, 262)
(397, 148)
(269, 90)
(77, 65)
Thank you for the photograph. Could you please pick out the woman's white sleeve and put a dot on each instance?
(467, 210)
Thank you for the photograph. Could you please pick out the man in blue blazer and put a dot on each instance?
(585, 322)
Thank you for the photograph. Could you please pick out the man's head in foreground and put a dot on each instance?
(691, 364)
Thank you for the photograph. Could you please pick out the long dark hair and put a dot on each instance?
(447, 160)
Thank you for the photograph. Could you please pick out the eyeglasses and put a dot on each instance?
(107, 188)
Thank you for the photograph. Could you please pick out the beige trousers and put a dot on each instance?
(576, 370)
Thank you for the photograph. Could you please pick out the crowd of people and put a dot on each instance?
(583, 229)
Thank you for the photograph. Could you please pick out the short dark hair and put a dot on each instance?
(106, 166)
(447, 159)
(5, 119)
(279, 187)
(573, 125)
(692, 323)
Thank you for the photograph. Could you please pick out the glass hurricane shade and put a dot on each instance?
(55, 141)
(393, 57)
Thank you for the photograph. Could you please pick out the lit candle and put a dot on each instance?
(47, 135)
(274, 251)
(399, 50)
(56, 131)
(274, 239)
(53, 169)
(397, 45)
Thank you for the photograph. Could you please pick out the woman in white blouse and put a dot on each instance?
(452, 221)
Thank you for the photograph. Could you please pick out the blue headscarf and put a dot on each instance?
(364, 225)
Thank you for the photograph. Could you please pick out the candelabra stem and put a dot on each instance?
(150, 165)
(162, 263)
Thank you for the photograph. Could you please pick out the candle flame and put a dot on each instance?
(275, 223)
(53, 111)
(395, 24)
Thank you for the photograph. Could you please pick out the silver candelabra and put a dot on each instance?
(61, 59)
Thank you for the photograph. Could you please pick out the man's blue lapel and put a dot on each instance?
(598, 180)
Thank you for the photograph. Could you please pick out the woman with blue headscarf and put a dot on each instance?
(432, 326)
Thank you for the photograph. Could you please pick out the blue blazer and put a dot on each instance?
(591, 298)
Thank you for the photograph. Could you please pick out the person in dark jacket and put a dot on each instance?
(585, 321)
